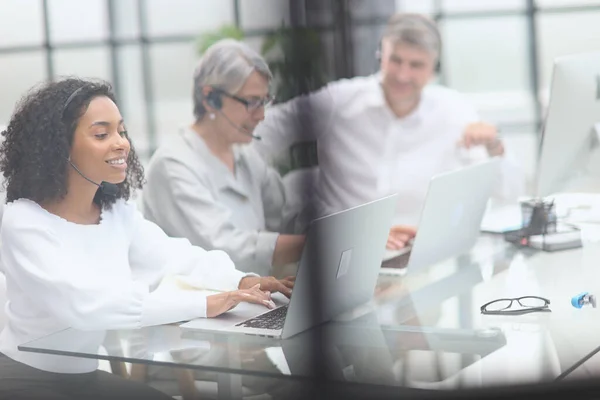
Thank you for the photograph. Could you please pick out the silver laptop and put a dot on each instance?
(450, 218)
(338, 271)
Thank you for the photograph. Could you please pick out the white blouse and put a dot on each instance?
(97, 277)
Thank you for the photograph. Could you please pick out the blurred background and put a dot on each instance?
(498, 52)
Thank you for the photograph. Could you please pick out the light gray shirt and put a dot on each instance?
(191, 193)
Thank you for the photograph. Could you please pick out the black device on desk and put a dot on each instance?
(541, 229)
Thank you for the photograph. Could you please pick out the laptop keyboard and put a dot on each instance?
(270, 320)
(398, 262)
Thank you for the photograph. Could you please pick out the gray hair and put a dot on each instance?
(416, 30)
(226, 65)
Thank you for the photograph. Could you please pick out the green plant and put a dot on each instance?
(294, 55)
(225, 32)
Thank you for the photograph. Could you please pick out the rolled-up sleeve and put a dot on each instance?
(511, 180)
(265, 247)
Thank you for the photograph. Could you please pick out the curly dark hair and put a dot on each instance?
(37, 142)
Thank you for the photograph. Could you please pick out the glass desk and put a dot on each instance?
(423, 330)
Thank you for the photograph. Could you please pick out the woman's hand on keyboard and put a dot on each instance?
(270, 284)
(218, 304)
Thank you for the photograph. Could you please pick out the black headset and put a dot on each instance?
(213, 99)
(433, 27)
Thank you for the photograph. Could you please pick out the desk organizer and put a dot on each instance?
(540, 229)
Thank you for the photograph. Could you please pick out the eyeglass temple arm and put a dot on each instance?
(517, 312)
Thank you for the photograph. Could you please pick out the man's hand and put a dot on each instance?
(399, 236)
(270, 284)
(481, 133)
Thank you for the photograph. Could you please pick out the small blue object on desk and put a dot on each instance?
(583, 299)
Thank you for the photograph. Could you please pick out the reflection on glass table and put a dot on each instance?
(420, 331)
(539, 346)
(358, 351)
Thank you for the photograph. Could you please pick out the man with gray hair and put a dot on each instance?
(206, 184)
(390, 132)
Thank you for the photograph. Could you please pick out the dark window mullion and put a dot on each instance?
(114, 54)
(237, 14)
(534, 67)
(147, 77)
(47, 41)
(438, 16)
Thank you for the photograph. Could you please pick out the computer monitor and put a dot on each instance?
(569, 138)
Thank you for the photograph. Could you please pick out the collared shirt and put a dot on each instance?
(366, 152)
(191, 193)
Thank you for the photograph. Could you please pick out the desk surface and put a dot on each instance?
(421, 331)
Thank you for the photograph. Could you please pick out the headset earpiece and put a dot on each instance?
(214, 100)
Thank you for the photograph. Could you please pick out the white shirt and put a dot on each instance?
(365, 152)
(96, 277)
(191, 193)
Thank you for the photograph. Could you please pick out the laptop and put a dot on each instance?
(337, 272)
(450, 218)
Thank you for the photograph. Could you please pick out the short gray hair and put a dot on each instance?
(226, 65)
(416, 30)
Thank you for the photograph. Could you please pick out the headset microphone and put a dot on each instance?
(237, 127)
(214, 100)
(107, 188)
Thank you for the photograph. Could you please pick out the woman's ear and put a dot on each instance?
(206, 90)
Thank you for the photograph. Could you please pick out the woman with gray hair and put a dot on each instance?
(207, 184)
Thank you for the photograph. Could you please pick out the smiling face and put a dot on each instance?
(406, 71)
(100, 147)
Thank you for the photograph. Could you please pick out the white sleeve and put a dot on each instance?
(512, 178)
(152, 251)
(511, 181)
(38, 263)
(44, 271)
(182, 204)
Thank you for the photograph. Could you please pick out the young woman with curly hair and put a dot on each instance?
(76, 255)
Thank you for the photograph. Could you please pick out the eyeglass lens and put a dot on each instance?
(255, 104)
(532, 302)
(529, 302)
